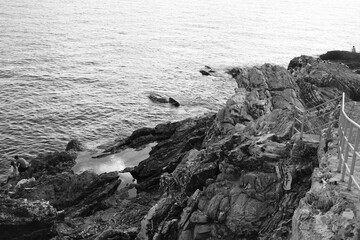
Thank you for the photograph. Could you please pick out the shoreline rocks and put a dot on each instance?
(157, 98)
(235, 174)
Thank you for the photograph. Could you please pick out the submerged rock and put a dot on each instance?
(155, 97)
(206, 71)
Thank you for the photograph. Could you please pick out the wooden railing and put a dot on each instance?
(349, 138)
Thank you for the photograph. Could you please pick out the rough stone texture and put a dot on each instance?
(324, 78)
(24, 219)
(118, 214)
(243, 164)
(167, 154)
(52, 163)
(273, 85)
(327, 211)
(235, 174)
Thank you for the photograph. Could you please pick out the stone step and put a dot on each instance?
(354, 194)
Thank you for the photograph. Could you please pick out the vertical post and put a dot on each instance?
(341, 139)
(302, 125)
(354, 158)
(344, 127)
(347, 142)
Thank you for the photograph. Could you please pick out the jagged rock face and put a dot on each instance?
(243, 165)
(265, 93)
(255, 192)
(22, 219)
(74, 193)
(167, 154)
(324, 79)
(275, 87)
(230, 175)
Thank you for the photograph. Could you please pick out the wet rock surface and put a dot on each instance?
(235, 174)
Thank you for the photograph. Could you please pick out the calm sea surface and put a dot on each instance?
(83, 68)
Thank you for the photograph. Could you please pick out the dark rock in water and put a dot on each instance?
(351, 59)
(206, 71)
(158, 98)
(155, 97)
(174, 102)
(203, 72)
(75, 145)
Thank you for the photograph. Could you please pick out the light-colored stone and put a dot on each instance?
(198, 217)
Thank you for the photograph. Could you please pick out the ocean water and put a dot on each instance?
(83, 68)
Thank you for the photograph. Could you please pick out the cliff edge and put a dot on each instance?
(239, 173)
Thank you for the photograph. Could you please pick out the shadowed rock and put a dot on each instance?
(26, 220)
(351, 59)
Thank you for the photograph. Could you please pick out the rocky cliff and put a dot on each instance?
(235, 174)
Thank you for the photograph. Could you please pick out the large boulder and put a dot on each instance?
(77, 194)
(25, 219)
(323, 80)
(271, 87)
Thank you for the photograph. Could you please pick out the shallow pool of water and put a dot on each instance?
(130, 157)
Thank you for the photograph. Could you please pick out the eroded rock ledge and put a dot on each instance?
(235, 174)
